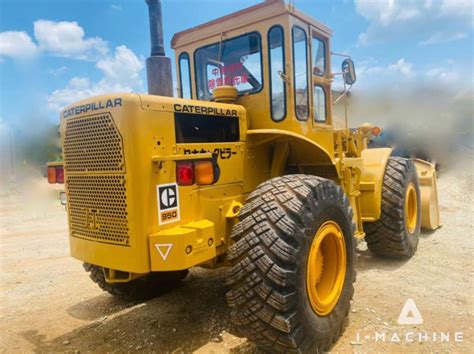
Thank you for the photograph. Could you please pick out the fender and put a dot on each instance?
(430, 218)
(374, 162)
(295, 148)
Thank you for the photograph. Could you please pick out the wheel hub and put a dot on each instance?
(326, 268)
(411, 208)
(319, 265)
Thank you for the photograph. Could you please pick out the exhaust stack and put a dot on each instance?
(158, 66)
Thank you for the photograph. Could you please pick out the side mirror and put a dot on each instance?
(348, 71)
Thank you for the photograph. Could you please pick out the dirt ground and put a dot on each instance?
(49, 304)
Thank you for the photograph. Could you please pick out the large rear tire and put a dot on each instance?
(396, 233)
(139, 289)
(293, 270)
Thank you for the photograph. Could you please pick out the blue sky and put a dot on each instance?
(55, 52)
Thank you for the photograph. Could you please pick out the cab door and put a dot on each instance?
(321, 79)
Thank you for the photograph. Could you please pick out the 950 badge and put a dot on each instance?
(168, 203)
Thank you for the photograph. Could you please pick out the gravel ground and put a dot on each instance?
(49, 304)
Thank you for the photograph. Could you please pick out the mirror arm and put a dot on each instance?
(341, 55)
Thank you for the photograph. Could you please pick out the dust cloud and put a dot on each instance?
(26, 145)
(427, 122)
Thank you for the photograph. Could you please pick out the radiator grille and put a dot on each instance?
(98, 208)
(93, 144)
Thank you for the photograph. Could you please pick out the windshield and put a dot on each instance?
(235, 62)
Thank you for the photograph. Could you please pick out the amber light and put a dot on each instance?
(51, 175)
(204, 172)
(376, 131)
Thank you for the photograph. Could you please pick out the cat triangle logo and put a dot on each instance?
(164, 249)
(410, 314)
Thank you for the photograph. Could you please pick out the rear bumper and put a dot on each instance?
(183, 246)
(177, 248)
(123, 258)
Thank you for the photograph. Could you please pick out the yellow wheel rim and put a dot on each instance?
(411, 208)
(326, 268)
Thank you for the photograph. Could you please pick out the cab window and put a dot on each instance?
(319, 57)
(234, 62)
(319, 104)
(300, 73)
(276, 59)
(184, 76)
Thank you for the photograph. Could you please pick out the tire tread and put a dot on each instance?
(262, 282)
(387, 236)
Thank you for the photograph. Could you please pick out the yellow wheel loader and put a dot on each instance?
(243, 170)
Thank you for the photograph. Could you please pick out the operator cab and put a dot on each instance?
(276, 57)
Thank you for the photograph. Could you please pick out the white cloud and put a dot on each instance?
(121, 73)
(57, 71)
(418, 19)
(456, 7)
(124, 67)
(370, 67)
(372, 74)
(67, 39)
(386, 12)
(15, 44)
(442, 37)
(116, 7)
(444, 75)
(403, 67)
(77, 89)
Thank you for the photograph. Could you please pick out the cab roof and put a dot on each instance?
(242, 18)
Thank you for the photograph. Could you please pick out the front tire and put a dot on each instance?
(396, 233)
(139, 289)
(284, 268)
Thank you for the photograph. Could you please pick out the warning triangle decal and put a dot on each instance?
(410, 314)
(164, 249)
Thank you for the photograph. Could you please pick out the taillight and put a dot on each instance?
(200, 172)
(59, 174)
(185, 173)
(55, 174)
